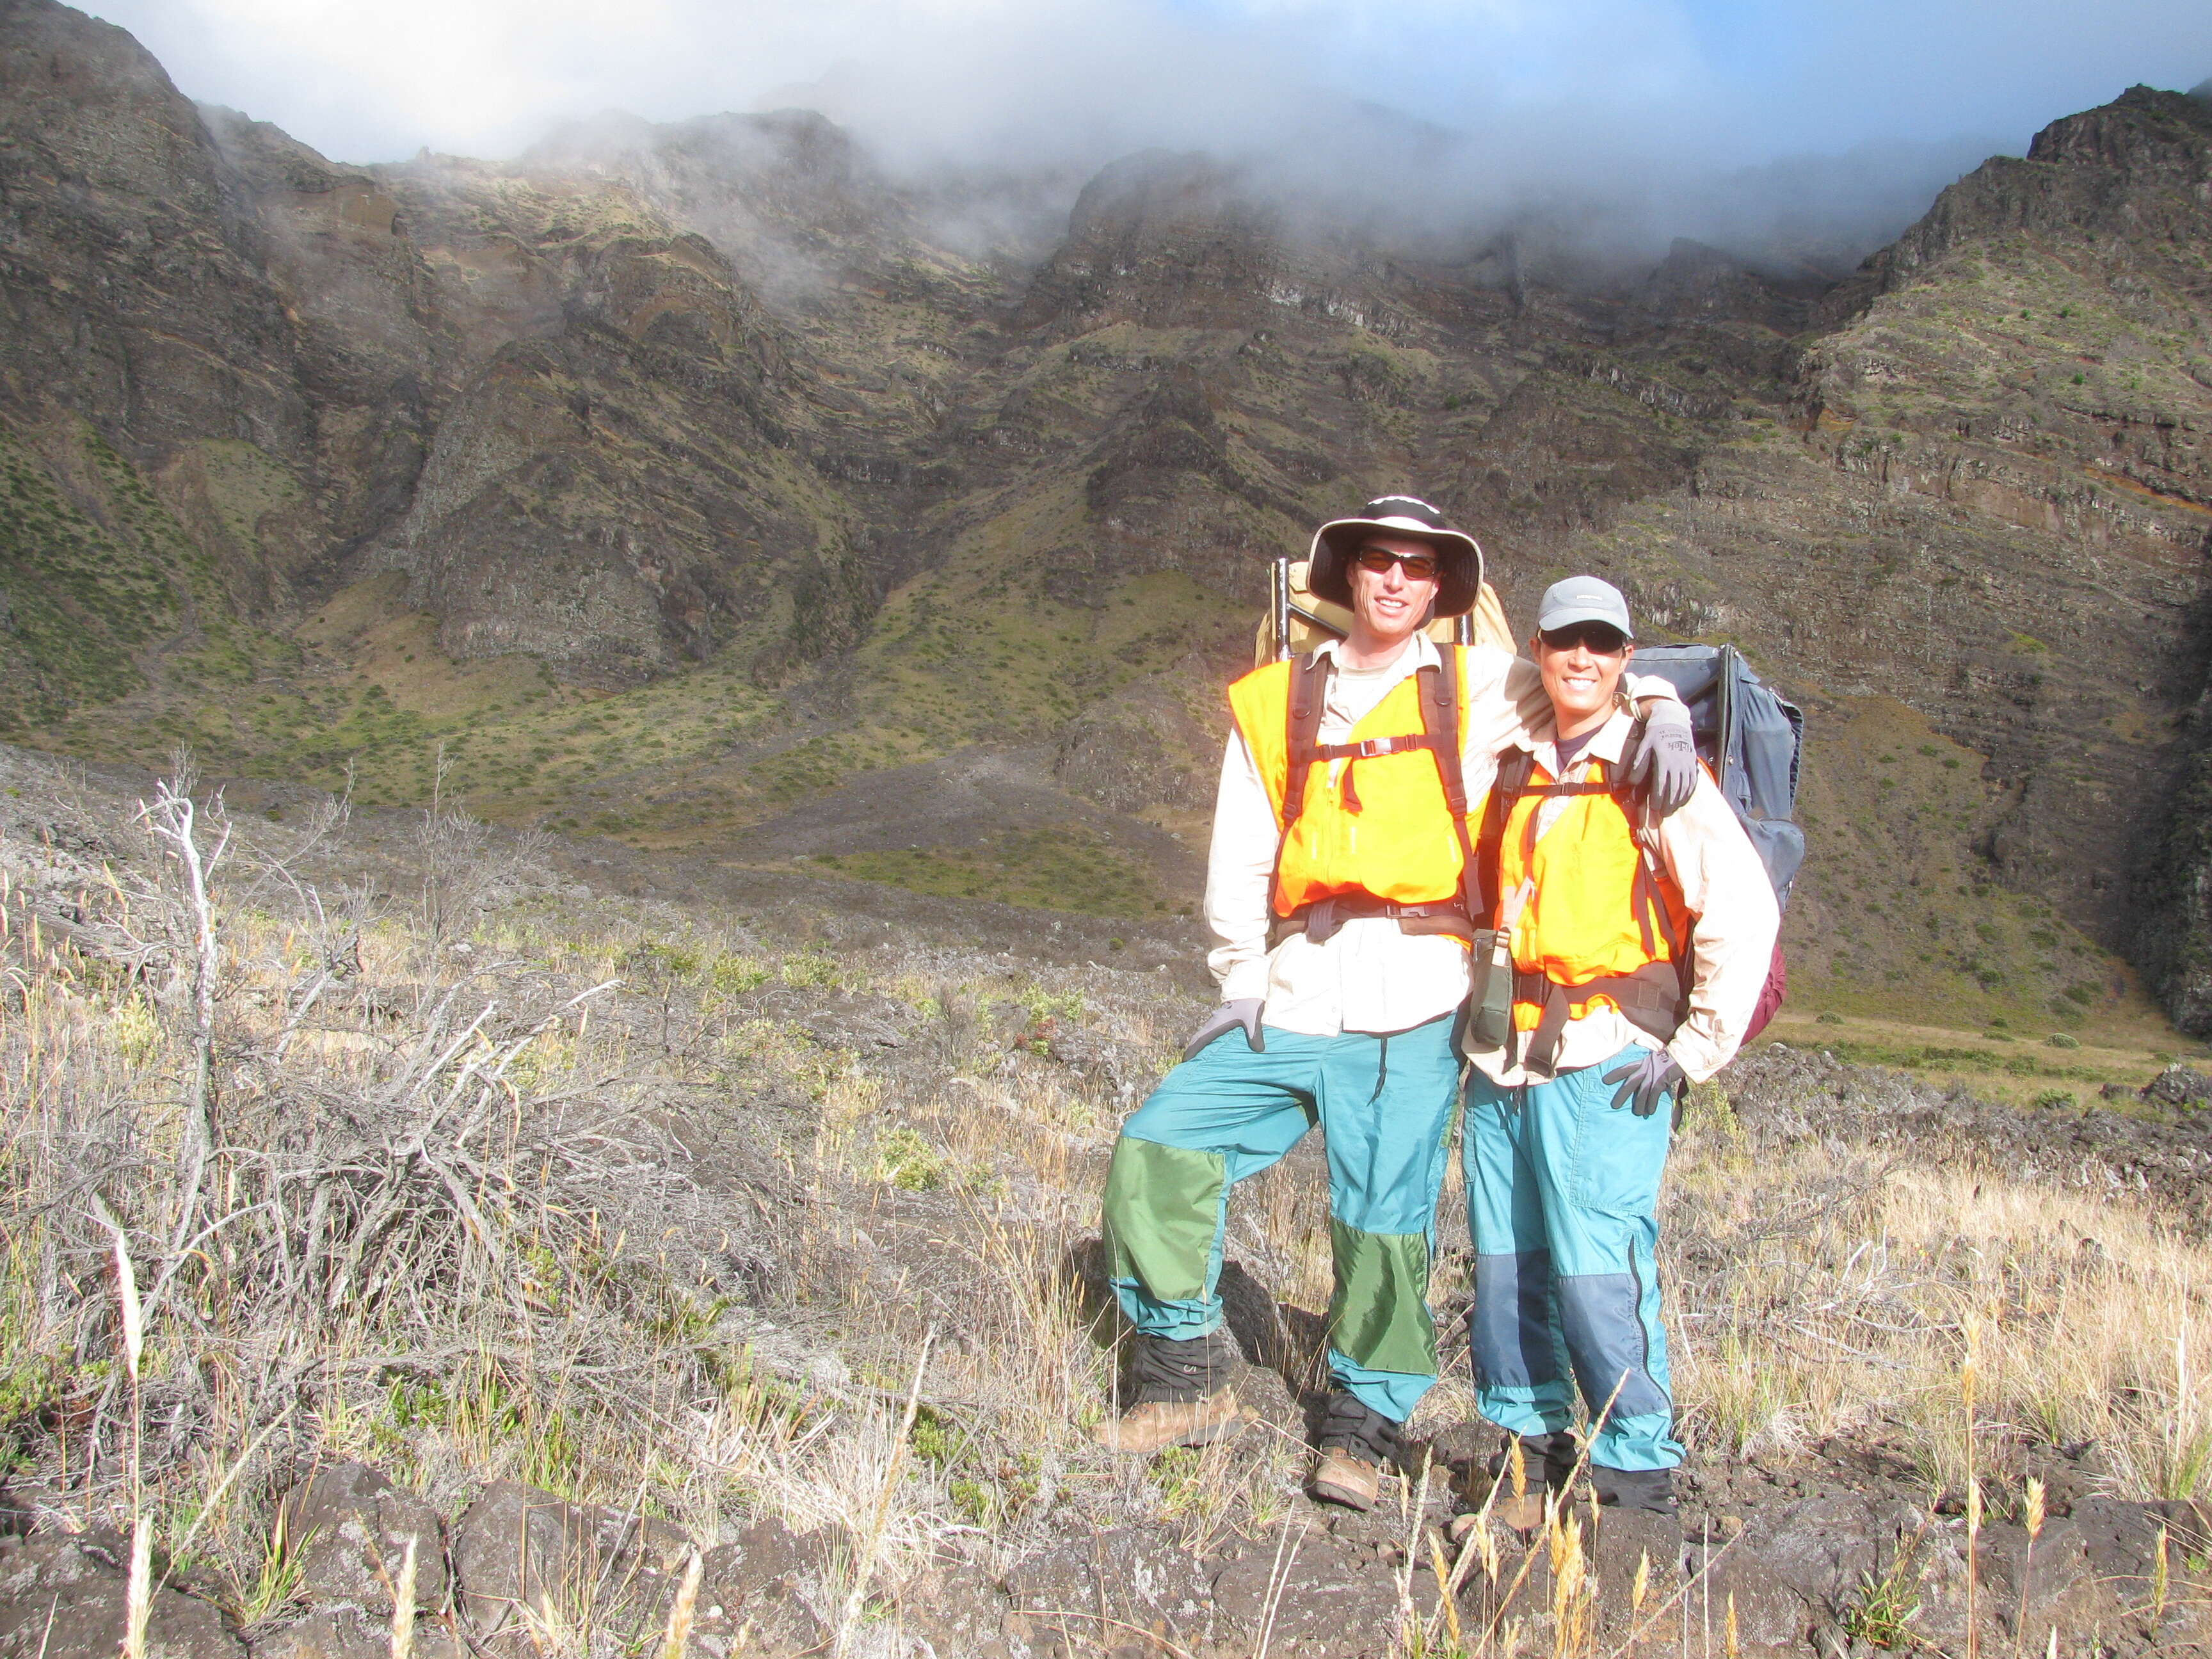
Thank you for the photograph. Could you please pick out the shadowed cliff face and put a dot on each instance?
(653, 396)
(614, 487)
(137, 301)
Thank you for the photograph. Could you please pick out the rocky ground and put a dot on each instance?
(774, 1275)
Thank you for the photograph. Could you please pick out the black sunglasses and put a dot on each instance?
(1600, 639)
(1419, 567)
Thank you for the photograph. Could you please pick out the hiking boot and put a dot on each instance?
(1182, 1395)
(1342, 1477)
(1152, 1425)
(1634, 1489)
(1358, 1442)
(1548, 1465)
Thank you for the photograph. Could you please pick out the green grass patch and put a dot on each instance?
(1041, 869)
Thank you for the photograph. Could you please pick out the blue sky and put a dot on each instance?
(1632, 95)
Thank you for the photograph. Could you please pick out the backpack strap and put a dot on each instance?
(1600, 787)
(1369, 748)
(1302, 748)
(1309, 693)
(1439, 698)
(1514, 766)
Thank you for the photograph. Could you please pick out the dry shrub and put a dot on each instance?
(424, 1230)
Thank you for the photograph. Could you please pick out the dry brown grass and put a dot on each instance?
(424, 1234)
(1830, 1291)
(450, 1223)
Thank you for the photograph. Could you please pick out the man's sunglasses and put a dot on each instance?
(1419, 567)
(1599, 639)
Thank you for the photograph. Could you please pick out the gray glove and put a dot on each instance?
(1661, 759)
(1647, 1080)
(1244, 1011)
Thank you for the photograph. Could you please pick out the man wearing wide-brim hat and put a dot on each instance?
(1337, 886)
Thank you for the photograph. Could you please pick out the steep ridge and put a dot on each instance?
(1753, 457)
(145, 341)
(2030, 395)
(702, 484)
(614, 485)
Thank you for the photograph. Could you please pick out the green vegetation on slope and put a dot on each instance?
(1047, 869)
(76, 595)
(1896, 913)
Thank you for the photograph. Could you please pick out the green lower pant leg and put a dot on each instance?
(1220, 1117)
(1385, 1103)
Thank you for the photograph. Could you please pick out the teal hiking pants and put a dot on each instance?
(1560, 1191)
(1383, 1104)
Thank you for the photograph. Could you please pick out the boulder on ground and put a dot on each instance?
(348, 1527)
(349, 1633)
(57, 1597)
(2179, 1086)
(532, 1568)
(777, 1587)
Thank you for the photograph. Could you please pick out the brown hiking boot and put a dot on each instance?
(1549, 1464)
(1358, 1442)
(1156, 1423)
(1524, 1514)
(1342, 1477)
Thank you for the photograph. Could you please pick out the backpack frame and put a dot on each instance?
(1752, 738)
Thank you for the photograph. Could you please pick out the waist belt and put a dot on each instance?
(1319, 920)
(1652, 998)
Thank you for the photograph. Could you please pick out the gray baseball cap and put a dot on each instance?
(1580, 599)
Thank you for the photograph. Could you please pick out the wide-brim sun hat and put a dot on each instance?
(1458, 556)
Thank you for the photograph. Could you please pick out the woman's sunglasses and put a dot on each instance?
(1597, 638)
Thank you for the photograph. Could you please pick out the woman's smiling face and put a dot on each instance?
(1581, 664)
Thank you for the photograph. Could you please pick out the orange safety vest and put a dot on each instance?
(1374, 817)
(1602, 925)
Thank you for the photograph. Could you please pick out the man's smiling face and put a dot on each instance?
(1391, 603)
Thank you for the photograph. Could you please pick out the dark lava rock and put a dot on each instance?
(776, 1581)
(1131, 1575)
(2063, 1588)
(1782, 1094)
(58, 1598)
(524, 1556)
(959, 1611)
(348, 1634)
(350, 1527)
(1317, 1596)
(1629, 1542)
(2179, 1085)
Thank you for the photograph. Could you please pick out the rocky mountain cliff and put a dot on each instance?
(704, 484)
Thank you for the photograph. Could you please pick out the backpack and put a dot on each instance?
(1296, 621)
(1753, 740)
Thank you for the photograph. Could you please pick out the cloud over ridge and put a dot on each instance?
(1712, 117)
